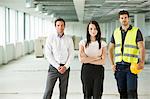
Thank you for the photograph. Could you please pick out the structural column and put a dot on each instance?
(139, 21)
(117, 24)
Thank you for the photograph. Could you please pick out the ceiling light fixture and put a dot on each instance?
(52, 15)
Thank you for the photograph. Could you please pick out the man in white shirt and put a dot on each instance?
(59, 50)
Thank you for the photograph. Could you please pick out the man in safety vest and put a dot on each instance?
(128, 44)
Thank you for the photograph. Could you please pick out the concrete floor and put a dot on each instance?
(25, 78)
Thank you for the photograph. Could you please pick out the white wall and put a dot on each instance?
(25, 47)
(1, 55)
(147, 29)
(18, 50)
(10, 52)
(76, 28)
(102, 27)
(14, 51)
(31, 46)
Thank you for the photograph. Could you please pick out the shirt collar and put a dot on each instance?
(60, 36)
(129, 28)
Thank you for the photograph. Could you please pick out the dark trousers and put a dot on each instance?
(52, 77)
(126, 82)
(92, 77)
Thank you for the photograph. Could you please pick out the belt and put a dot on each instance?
(61, 64)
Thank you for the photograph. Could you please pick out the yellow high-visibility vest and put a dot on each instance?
(131, 51)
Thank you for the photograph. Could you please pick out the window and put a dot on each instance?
(27, 27)
(2, 25)
(40, 33)
(36, 24)
(32, 27)
(48, 27)
(13, 25)
(7, 25)
(20, 33)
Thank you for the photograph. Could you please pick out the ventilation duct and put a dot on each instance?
(115, 1)
(30, 4)
(39, 7)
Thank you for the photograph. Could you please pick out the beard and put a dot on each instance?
(125, 23)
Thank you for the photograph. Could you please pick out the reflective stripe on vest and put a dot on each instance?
(131, 51)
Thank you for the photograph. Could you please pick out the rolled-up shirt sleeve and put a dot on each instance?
(139, 36)
(112, 39)
(49, 54)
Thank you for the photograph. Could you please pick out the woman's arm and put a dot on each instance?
(102, 59)
(111, 56)
(84, 58)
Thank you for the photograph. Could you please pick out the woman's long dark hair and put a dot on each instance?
(98, 36)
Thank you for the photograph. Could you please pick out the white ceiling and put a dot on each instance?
(81, 10)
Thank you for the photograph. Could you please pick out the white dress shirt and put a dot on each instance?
(59, 50)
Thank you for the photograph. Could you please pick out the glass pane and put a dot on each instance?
(2, 25)
(20, 34)
(13, 25)
(7, 26)
(32, 27)
(27, 27)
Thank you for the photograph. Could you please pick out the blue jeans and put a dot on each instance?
(126, 82)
